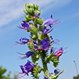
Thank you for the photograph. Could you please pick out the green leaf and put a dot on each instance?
(48, 59)
(2, 70)
(53, 76)
(36, 71)
(55, 63)
(54, 59)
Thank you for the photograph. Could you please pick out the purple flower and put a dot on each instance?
(23, 41)
(45, 78)
(46, 30)
(48, 22)
(35, 45)
(35, 42)
(25, 25)
(28, 67)
(23, 69)
(52, 50)
(48, 25)
(27, 55)
(51, 37)
(45, 44)
(56, 71)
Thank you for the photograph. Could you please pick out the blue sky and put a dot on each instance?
(67, 31)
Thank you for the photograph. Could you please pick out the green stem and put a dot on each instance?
(44, 63)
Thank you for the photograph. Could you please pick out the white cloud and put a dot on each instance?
(41, 3)
(10, 10)
(13, 9)
(54, 3)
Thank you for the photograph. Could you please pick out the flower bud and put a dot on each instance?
(29, 5)
(35, 6)
(30, 11)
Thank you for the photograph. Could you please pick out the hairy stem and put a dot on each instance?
(44, 63)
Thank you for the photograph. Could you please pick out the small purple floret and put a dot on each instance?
(52, 50)
(28, 67)
(45, 78)
(46, 30)
(48, 22)
(23, 41)
(29, 53)
(56, 71)
(45, 43)
(25, 25)
(23, 69)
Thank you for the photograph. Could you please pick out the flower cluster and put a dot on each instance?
(39, 43)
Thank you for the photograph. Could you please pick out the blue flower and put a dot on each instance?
(29, 53)
(25, 25)
(52, 50)
(56, 71)
(45, 78)
(48, 22)
(23, 69)
(35, 45)
(45, 44)
(46, 30)
(26, 55)
(23, 41)
(28, 67)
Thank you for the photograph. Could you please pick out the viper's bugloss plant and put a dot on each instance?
(39, 44)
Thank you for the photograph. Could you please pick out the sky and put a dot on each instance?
(67, 32)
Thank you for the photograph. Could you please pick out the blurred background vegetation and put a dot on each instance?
(5, 75)
(76, 77)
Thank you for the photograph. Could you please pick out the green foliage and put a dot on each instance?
(2, 71)
(76, 77)
(36, 71)
(4, 75)
(54, 59)
(53, 76)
